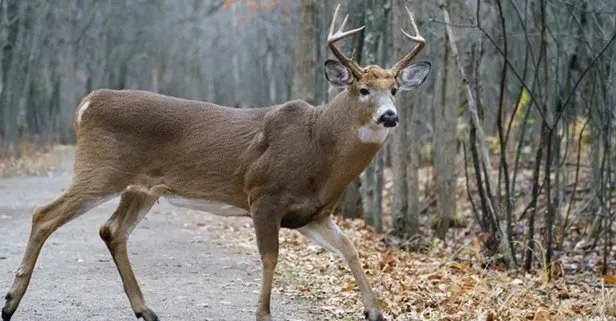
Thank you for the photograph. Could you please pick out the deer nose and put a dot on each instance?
(389, 119)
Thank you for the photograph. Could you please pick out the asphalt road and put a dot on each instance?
(184, 274)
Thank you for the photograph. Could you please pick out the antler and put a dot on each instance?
(421, 42)
(355, 68)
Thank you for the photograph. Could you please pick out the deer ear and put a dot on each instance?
(337, 74)
(414, 75)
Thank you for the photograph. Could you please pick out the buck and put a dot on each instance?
(285, 166)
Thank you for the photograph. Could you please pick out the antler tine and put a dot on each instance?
(355, 68)
(421, 42)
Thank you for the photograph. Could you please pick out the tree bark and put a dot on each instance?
(472, 106)
(445, 144)
(405, 210)
(373, 49)
(303, 73)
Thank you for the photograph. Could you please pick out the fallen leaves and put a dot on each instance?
(609, 279)
(435, 285)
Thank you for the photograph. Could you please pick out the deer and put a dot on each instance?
(283, 166)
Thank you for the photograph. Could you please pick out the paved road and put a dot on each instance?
(183, 273)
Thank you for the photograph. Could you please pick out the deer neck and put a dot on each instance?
(352, 139)
(342, 120)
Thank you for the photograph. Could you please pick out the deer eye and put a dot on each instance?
(364, 91)
(394, 91)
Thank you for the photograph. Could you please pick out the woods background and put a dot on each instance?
(510, 139)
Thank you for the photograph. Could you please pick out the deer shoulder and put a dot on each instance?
(288, 161)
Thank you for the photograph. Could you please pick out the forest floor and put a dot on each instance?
(443, 281)
(448, 283)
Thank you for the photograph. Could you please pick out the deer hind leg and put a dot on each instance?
(115, 232)
(45, 220)
(326, 233)
(264, 212)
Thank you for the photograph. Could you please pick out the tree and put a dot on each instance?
(445, 123)
(405, 211)
(351, 204)
(303, 73)
(374, 52)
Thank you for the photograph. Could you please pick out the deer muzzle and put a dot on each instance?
(389, 118)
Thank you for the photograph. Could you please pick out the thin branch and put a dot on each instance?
(453, 24)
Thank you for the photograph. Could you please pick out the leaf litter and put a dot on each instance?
(434, 284)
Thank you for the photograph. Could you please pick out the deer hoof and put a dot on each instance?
(373, 315)
(6, 314)
(265, 318)
(147, 315)
(7, 311)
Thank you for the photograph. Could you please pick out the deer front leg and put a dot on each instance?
(267, 226)
(327, 234)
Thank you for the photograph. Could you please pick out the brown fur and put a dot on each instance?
(374, 77)
(286, 165)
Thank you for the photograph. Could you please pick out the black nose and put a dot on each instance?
(389, 119)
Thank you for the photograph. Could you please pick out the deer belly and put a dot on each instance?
(212, 207)
(301, 215)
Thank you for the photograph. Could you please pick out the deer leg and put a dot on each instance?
(45, 220)
(266, 229)
(326, 233)
(115, 232)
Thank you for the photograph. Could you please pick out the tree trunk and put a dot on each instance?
(372, 178)
(445, 143)
(352, 203)
(405, 209)
(10, 23)
(399, 161)
(303, 73)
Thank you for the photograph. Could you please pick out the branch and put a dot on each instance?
(577, 83)
(472, 106)
(453, 24)
(214, 8)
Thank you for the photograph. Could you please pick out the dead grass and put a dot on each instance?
(33, 163)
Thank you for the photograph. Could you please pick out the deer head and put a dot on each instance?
(374, 87)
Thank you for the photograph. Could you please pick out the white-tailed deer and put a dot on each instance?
(284, 166)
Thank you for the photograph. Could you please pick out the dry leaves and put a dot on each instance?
(437, 285)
